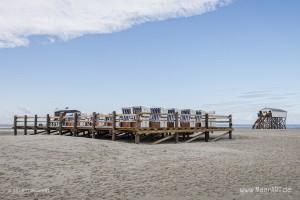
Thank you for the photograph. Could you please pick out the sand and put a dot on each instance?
(60, 167)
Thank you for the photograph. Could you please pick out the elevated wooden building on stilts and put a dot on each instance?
(271, 118)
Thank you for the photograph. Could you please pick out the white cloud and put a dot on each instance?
(67, 19)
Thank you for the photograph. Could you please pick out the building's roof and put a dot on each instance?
(274, 110)
(67, 111)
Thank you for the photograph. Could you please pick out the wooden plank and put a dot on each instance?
(37, 133)
(53, 131)
(60, 123)
(48, 124)
(141, 131)
(163, 139)
(195, 137)
(75, 123)
(206, 136)
(113, 131)
(64, 132)
(206, 126)
(148, 132)
(206, 120)
(230, 126)
(219, 137)
(35, 124)
(94, 118)
(176, 120)
(25, 125)
(218, 117)
(44, 131)
(224, 122)
(176, 127)
(15, 125)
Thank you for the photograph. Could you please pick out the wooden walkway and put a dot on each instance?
(89, 126)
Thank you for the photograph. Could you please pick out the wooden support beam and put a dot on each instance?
(206, 126)
(48, 124)
(219, 137)
(164, 139)
(52, 131)
(60, 124)
(70, 133)
(35, 124)
(176, 120)
(15, 125)
(138, 121)
(195, 137)
(113, 131)
(75, 125)
(176, 127)
(38, 132)
(230, 126)
(137, 138)
(180, 130)
(64, 132)
(25, 125)
(121, 134)
(45, 131)
(206, 120)
(94, 125)
(176, 136)
(206, 136)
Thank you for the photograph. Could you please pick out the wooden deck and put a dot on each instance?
(89, 127)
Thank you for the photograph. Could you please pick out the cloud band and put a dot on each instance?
(67, 19)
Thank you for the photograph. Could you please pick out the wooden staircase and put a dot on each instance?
(259, 122)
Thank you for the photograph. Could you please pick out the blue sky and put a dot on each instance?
(236, 59)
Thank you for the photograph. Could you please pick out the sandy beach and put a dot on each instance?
(60, 167)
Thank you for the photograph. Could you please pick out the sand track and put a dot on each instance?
(82, 168)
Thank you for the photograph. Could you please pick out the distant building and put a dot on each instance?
(271, 118)
(66, 112)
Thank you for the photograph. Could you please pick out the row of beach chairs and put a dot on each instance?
(155, 117)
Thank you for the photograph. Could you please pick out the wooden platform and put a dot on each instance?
(59, 126)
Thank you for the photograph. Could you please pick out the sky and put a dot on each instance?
(234, 57)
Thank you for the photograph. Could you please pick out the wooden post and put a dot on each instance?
(75, 128)
(230, 126)
(35, 124)
(176, 137)
(206, 126)
(15, 125)
(138, 121)
(25, 125)
(60, 123)
(48, 124)
(93, 124)
(137, 138)
(113, 126)
(176, 120)
(176, 127)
